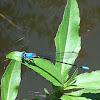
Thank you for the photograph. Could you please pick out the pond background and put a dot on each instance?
(40, 20)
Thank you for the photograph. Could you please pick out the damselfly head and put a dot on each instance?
(23, 54)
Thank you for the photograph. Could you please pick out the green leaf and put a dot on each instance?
(92, 94)
(84, 91)
(72, 79)
(47, 70)
(66, 97)
(14, 55)
(67, 38)
(46, 92)
(42, 66)
(87, 80)
(10, 81)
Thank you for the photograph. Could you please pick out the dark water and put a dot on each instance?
(40, 20)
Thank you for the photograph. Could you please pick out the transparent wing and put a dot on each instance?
(60, 55)
(66, 55)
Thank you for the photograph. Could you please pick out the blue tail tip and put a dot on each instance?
(84, 67)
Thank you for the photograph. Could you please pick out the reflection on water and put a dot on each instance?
(86, 25)
(40, 20)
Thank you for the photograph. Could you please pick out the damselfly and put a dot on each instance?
(33, 55)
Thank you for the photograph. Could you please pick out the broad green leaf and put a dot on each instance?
(67, 38)
(92, 94)
(11, 80)
(72, 79)
(66, 97)
(87, 80)
(47, 70)
(84, 91)
(43, 67)
(14, 55)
